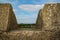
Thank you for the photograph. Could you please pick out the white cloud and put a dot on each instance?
(29, 18)
(26, 18)
(31, 7)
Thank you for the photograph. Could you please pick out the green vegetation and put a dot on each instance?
(26, 25)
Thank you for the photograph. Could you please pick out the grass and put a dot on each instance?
(25, 28)
(26, 25)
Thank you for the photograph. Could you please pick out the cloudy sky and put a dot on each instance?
(26, 11)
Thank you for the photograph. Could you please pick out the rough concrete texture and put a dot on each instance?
(31, 35)
(7, 18)
(50, 16)
(50, 24)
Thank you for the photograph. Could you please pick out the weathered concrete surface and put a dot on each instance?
(31, 35)
(50, 16)
(7, 18)
(50, 28)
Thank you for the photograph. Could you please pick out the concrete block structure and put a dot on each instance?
(7, 18)
(50, 16)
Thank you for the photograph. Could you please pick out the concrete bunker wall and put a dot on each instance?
(50, 16)
(7, 18)
(30, 35)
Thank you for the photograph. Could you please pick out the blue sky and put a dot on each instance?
(26, 11)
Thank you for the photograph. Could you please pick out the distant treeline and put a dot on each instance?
(26, 25)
